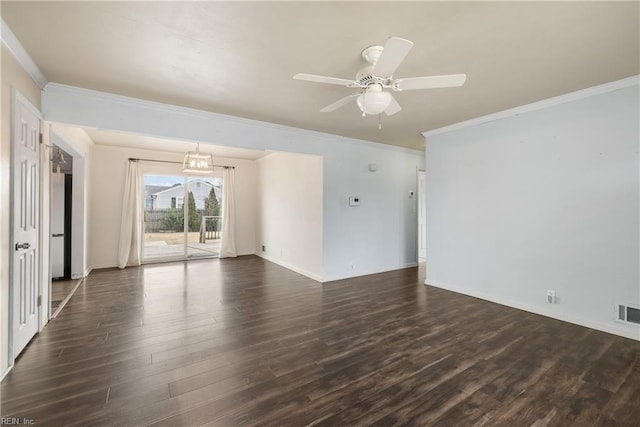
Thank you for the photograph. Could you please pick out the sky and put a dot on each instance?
(163, 180)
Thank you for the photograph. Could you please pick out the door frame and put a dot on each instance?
(55, 136)
(17, 97)
(163, 169)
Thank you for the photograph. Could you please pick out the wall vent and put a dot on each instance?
(628, 313)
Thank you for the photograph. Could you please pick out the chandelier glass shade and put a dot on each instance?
(196, 162)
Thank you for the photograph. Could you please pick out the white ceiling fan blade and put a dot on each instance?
(323, 79)
(339, 103)
(431, 82)
(395, 49)
(393, 107)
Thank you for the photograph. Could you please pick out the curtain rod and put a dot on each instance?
(133, 159)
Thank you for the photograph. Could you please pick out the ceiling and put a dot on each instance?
(238, 58)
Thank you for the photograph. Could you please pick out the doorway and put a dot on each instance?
(61, 202)
(67, 216)
(61, 212)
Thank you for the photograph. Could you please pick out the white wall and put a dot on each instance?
(108, 177)
(380, 235)
(544, 200)
(290, 211)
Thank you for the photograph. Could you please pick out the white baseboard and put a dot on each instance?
(103, 266)
(313, 276)
(397, 267)
(377, 271)
(408, 265)
(611, 329)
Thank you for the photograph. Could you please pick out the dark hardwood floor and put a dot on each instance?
(246, 342)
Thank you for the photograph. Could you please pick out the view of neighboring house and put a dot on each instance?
(165, 197)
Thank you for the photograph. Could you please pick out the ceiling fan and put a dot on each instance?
(375, 79)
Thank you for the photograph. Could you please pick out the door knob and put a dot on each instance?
(22, 246)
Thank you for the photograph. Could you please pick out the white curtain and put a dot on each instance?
(131, 226)
(228, 236)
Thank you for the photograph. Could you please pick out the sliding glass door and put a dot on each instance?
(181, 217)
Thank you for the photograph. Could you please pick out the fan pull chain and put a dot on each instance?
(379, 121)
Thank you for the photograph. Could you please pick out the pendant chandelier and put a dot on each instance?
(196, 162)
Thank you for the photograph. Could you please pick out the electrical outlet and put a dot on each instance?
(264, 248)
(551, 297)
(353, 266)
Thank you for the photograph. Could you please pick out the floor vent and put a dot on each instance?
(628, 314)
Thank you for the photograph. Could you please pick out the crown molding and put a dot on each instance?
(539, 105)
(15, 47)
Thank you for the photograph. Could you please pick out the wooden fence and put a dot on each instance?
(172, 220)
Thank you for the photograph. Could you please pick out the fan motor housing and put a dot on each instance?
(365, 78)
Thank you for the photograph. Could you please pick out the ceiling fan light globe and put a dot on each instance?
(374, 103)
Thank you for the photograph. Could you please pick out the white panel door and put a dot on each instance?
(25, 227)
